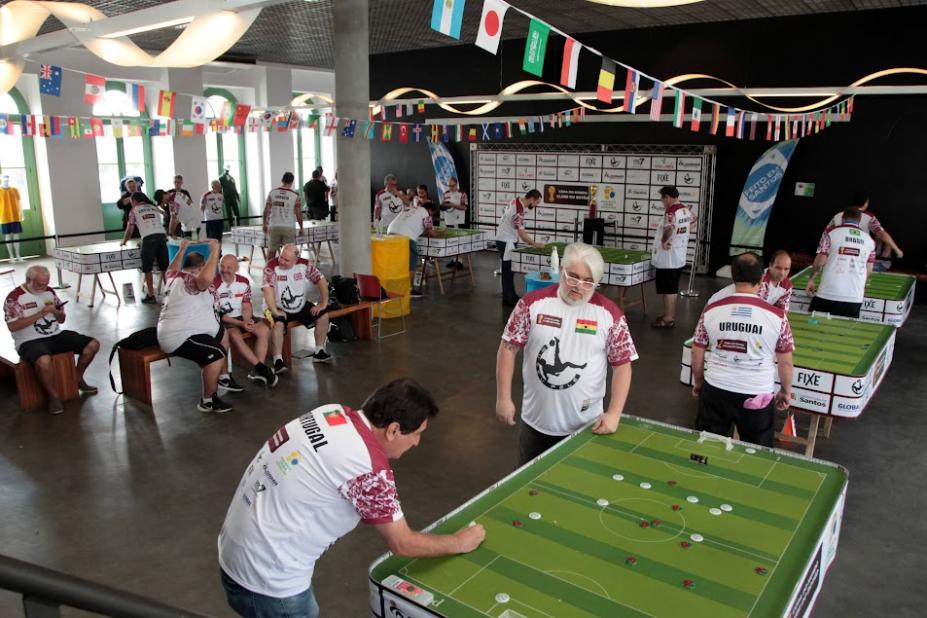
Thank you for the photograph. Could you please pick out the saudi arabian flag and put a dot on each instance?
(535, 47)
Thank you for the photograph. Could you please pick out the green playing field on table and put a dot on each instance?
(884, 286)
(844, 347)
(730, 537)
(611, 255)
(446, 232)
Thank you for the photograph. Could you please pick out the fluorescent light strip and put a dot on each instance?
(149, 27)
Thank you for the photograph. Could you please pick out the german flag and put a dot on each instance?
(606, 80)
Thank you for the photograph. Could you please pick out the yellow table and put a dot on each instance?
(389, 257)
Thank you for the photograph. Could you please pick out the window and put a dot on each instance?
(12, 155)
(226, 150)
(304, 147)
(117, 156)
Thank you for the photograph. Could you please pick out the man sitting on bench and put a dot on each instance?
(286, 287)
(188, 326)
(34, 315)
(233, 302)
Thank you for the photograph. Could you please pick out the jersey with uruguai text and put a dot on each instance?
(849, 251)
(231, 296)
(21, 303)
(309, 485)
(743, 333)
(566, 353)
(291, 285)
(680, 219)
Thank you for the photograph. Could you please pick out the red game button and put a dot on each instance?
(517, 523)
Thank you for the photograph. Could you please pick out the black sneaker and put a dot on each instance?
(149, 300)
(460, 266)
(230, 385)
(219, 406)
(263, 374)
(87, 389)
(416, 293)
(452, 265)
(321, 357)
(279, 367)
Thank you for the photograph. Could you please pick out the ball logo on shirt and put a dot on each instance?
(550, 371)
(45, 326)
(395, 206)
(289, 300)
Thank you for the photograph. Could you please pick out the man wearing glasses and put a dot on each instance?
(569, 335)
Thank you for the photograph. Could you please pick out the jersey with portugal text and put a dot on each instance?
(291, 285)
(742, 335)
(309, 485)
(566, 353)
(231, 296)
(849, 251)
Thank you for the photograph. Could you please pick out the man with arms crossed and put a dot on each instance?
(845, 254)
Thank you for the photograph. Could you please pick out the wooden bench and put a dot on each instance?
(30, 390)
(135, 365)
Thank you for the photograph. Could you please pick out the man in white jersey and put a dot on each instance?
(845, 254)
(233, 303)
(147, 217)
(388, 202)
(510, 230)
(747, 337)
(413, 222)
(34, 315)
(183, 211)
(286, 295)
(309, 485)
(870, 223)
(188, 326)
(775, 285)
(668, 255)
(212, 206)
(454, 208)
(282, 211)
(569, 334)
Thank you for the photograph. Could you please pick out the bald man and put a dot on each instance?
(233, 302)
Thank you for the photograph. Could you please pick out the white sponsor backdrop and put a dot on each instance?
(625, 181)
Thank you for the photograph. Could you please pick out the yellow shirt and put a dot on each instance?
(10, 209)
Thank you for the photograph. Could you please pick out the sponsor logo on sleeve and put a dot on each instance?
(278, 439)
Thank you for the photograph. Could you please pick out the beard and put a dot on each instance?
(565, 296)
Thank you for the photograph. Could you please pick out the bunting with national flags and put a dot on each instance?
(679, 109)
(605, 90)
(570, 64)
(696, 123)
(631, 83)
(656, 100)
(166, 101)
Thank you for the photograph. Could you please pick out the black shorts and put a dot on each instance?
(202, 349)
(154, 249)
(65, 341)
(836, 307)
(667, 280)
(214, 229)
(304, 316)
(719, 411)
(532, 443)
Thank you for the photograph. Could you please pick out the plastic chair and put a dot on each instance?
(371, 291)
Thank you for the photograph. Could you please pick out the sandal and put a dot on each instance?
(661, 323)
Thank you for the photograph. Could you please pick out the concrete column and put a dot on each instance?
(279, 89)
(352, 94)
(189, 152)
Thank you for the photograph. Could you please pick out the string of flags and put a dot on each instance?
(447, 18)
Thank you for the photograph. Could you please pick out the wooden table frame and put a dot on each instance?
(437, 263)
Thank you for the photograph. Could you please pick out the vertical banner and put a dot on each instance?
(443, 163)
(757, 198)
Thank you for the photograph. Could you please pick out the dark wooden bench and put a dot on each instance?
(135, 365)
(30, 390)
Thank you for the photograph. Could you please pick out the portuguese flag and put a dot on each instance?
(588, 327)
(335, 418)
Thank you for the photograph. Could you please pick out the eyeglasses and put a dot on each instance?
(580, 283)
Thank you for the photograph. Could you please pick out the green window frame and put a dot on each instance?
(242, 175)
(33, 225)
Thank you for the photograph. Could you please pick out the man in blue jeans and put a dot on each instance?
(309, 485)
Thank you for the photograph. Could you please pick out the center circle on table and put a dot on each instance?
(672, 523)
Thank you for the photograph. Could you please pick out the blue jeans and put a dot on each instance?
(253, 605)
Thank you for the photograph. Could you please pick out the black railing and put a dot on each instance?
(44, 591)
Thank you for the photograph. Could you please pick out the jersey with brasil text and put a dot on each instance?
(849, 250)
(187, 311)
(21, 303)
(147, 218)
(231, 296)
(386, 207)
(743, 334)
(512, 220)
(776, 295)
(309, 485)
(291, 286)
(212, 203)
(679, 218)
(283, 204)
(566, 353)
(411, 222)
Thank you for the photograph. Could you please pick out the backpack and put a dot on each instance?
(344, 290)
(136, 341)
(341, 330)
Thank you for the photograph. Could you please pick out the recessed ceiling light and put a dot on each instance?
(644, 4)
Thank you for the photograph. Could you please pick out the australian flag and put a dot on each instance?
(50, 80)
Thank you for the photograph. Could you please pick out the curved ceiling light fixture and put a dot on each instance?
(644, 4)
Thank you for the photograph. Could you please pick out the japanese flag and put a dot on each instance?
(491, 25)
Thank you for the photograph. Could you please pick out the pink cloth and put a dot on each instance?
(759, 402)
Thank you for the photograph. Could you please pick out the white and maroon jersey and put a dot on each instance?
(212, 203)
(187, 311)
(566, 353)
(411, 223)
(283, 204)
(454, 216)
(512, 220)
(147, 218)
(867, 222)
(231, 296)
(776, 295)
(186, 212)
(291, 286)
(309, 485)
(743, 333)
(849, 250)
(386, 207)
(21, 303)
(680, 219)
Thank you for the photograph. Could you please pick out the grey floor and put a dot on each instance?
(120, 494)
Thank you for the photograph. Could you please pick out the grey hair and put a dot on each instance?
(589, 255)
(388, 179)
(34, 270)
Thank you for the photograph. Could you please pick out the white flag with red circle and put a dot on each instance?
(491, 25)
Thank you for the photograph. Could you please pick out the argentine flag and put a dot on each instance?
(447, 16)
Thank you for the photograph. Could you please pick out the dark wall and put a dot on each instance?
(882, 150)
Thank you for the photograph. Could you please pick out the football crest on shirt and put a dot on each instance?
(550, 367)
(288, 300)
(549, 320)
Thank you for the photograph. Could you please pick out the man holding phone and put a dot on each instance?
(34, 315)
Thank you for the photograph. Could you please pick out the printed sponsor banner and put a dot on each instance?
(576, 195)
(758, 196)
